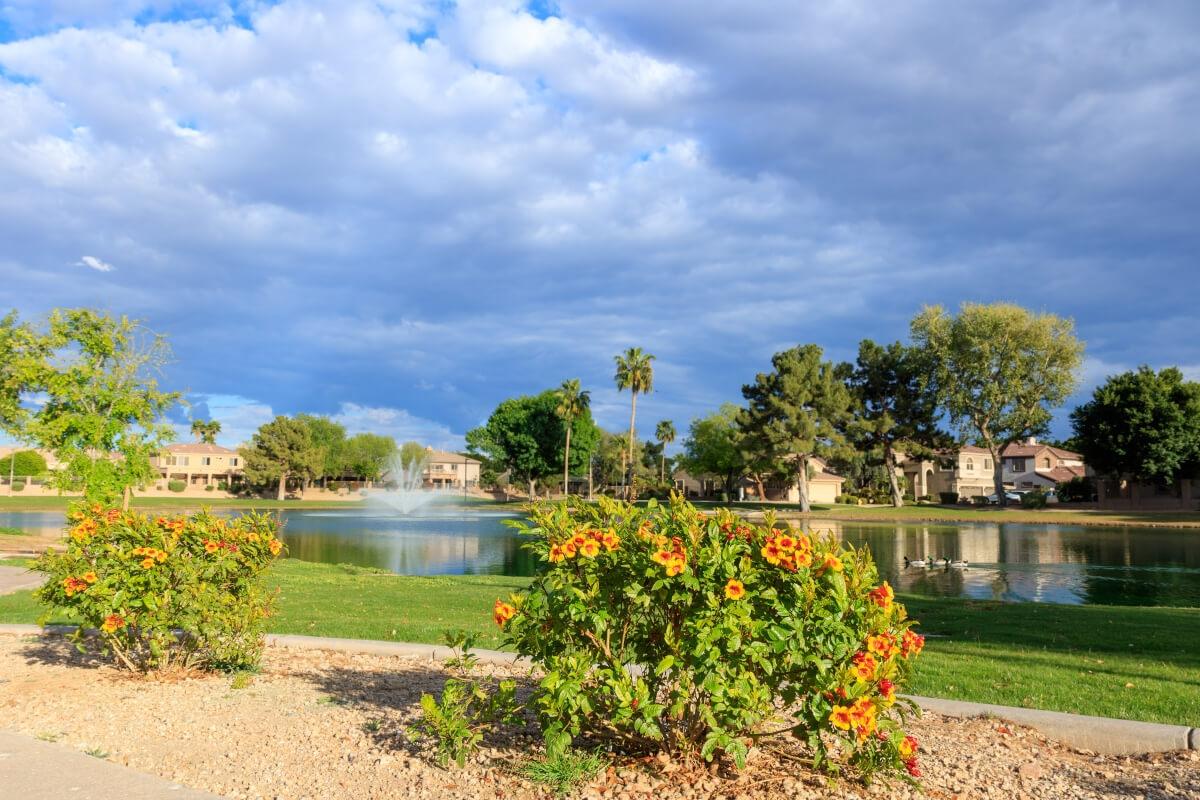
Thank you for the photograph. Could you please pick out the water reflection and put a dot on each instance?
(1018, 563)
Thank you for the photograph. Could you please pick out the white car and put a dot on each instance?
(1012, 497)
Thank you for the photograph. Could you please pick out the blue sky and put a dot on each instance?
(399, 213)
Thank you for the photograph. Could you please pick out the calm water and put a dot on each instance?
(1030, 563)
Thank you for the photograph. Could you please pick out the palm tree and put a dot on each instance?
(635, 373)
(206, 431)
(572, 402)
(665, 434)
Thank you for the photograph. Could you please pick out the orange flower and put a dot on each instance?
(734, 589)
(675, 565)
(771, 553)
(90, 577)
(112, 623)
(161, 556)
(908, 747)
(147, 562)
(831, 563)
(864, 666)
(785, 542)
(96, 508)
(611, 541)
(275, 546)
(802, 558)
(590, 548)
(502, 612)
(662, 557)
(841, 717)
(252, 536)
(578, 540)
(556, 554)
(568, 549)
(72, 585)
(887, 692)
(882, 596)
(911, 644)
(883, 645)
(211, 546)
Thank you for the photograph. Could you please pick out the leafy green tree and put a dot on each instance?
(23, 464)
(711, 446)
(21, 357)
(664, 432)
(280, 449)
(206, 431)
(412, 455)
(102, 413)
(1141, 424)
(894, 408)
(635, 372)
(329, 440)
(796, 412)
(998, 370)
(524, 436)
(368, 455)
(572, 402)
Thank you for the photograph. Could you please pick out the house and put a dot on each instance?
(198, 464)
(1031, 465)
(966, 472)
(824, 485)
(444, 470)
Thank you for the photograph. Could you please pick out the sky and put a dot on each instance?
(399, 213)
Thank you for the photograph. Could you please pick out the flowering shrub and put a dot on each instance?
(165, 591)
(662, 628)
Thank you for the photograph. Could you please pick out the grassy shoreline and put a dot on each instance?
(55, 503)
(1125, 662)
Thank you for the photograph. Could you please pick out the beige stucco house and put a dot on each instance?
(967, 472)
(444, 470)
(198, 464)
(1039, 466)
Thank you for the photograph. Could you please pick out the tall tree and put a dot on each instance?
(329, 440)
(524, 436)
(413, 456)
(664, 432)
(368, 455)
(280, 449)
(894, 407)
(998, 370)
(711, 447)
(206, 431)
(21, 357)
(102, 414)
(635, 372)
(797, 412)
(572, 402)
(1143, 425)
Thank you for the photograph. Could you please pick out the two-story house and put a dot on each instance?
(445, 470)
(966, 472)
(1031, 465)
(198, 464)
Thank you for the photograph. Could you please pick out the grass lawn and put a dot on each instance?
(1078, 659)
(52, 503)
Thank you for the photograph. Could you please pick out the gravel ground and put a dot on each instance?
(331, 725)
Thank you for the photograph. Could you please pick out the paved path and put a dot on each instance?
(14, 579)
(35, 770)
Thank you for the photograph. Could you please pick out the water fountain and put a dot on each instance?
(409, 493)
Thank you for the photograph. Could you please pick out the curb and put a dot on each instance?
(1098, 734)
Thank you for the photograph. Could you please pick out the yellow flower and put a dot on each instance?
(211, 547)
(841, 717)
(590, 548)
(147, 562)
(734, 589)
(90, 577)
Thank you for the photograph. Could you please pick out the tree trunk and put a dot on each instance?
(591, 473)
(531, 495)
(760, 488)
(998, 476)
(802, 485)
(662, 466)
(126, 494)
(889, 462)
(282, 486)
(632, 414)
(567, 462)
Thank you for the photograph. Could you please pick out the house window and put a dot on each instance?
(170, 461)
(206, 461)
(970, 465)
(987, 463)
(183, 461)
(233, 462)
(1018, 465)
(1045, 463)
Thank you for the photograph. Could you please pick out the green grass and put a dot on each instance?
(1063, 658)
(6, 530)
(54, 502)
(564, 773)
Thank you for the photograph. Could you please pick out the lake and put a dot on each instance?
(1010, 562)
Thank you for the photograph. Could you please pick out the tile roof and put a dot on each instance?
(201, 448)
(1064, 473)
(1027, 450)
(444, 457)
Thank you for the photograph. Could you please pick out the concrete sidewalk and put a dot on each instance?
(35, 770)
(14, 579)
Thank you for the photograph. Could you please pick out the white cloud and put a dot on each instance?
(91, 262)
(398, 424)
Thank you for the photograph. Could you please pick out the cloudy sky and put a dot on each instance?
(400, 212)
